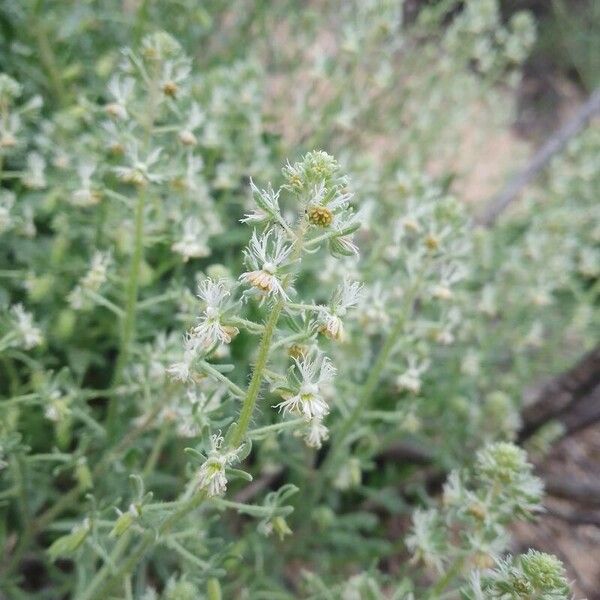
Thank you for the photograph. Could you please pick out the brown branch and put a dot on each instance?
(555, 144)
(584, 414)
(556, 399)
(570, 488)
(407, 452)
(571, 397)
(576, 517)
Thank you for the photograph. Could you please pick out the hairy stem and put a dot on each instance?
(128, 330)
(69, 498)
(48, 60)
(117, 553)
(213, 589)
(365, 396)
(105, 582)
(130, 307)
(257, 375)
(451, 574)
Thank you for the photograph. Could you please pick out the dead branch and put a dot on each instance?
(407, 452)
(584, 414)
(576, 517)
(559, 396)
(570, 488)
(555, 144)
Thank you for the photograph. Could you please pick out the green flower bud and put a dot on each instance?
(502, 463)
(65, 324)
(67, 545)
(280, 527)
(181, 590)
(545, 573)
(126, 520)
(83, 474)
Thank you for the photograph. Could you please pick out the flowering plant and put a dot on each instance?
(205, 359)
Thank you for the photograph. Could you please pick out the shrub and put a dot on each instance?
(180, 318)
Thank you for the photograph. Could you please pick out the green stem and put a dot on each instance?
(104, 582)
(115, 555)
(156, 450)
(257, 376)
(128, 330)
(365, 395)
(368, 388)
(99, 299)
(20, 480)
(25, 398)
(130, 307)
(213, 589)
(451, 574)
(210, 370)
(251, 326)
(48, 60)
(276, 427)
(71, 497)
(149, 538)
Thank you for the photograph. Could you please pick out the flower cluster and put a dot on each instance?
(139, 319)
(534, 574)
(503, 489)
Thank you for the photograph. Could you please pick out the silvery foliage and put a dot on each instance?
(395, 317)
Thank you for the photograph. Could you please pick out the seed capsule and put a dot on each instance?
(432, 242)
(170, 89)
(320, 216)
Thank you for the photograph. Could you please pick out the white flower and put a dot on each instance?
(345, 297)
(313, 374)
(423, 540)
(9, 128)
(441, 292)
(211, 475)
(30, 335)
(316, 433)
(332, 326)
(35, 176)
(322, 209)
(342, 244)
(7, 201)
(411, 378)
(97, 274)
(451, 274)
(210, 330)
(92, 281)
(373, 311)
(140, 172)
(213, 294)
(181, 371)
(57, 408)
(192, 181)
(267, 202)
(349, 474)
(186, 134)
(181, 411)
(85, 195)
(265, 255)
(193, 242)
(174, 73)
(120, 90)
